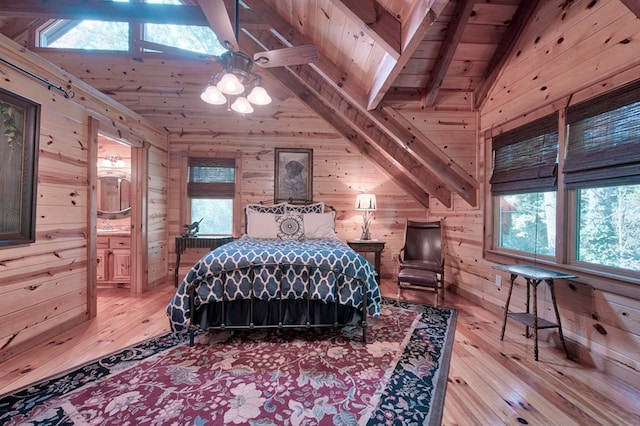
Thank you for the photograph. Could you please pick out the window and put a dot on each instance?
(211, 190)
(115, 36)
(603, 168)
(523, 185)
(86, 34)
(187, 37)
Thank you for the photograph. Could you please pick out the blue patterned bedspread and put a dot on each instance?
(335, 274)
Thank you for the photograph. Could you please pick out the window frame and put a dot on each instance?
(625, 282)
(185, 199)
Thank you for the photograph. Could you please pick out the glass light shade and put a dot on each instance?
(212, 95)
(259, 96)
(366, 202)
(230, 85)
(242, 105)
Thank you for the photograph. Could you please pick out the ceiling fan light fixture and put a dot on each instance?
(212, 95)
(242, 105)
(259, 96)
(230, 84)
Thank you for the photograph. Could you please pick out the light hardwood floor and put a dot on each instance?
(490, 382)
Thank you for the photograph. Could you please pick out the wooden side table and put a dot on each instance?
(369, 246)
(534, 275)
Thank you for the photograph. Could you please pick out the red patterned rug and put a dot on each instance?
(260, 378)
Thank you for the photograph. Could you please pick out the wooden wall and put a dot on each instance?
(569, 52)
(340, 172)
(45, 286)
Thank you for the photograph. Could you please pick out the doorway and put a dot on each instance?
(115, 208)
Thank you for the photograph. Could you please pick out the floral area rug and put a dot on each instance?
(292, 377)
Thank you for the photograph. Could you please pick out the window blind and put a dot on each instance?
(211, 178)
(525, 159)
(603, 140)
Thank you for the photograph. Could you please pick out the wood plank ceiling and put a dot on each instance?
(374, 57)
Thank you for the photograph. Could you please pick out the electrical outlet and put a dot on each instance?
(499, 281)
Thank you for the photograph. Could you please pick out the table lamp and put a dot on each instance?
(367, 204)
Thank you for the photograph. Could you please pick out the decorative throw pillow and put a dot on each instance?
(319, 225)
(309, 208)
(261, 225)
(260, 208)
(290, 226)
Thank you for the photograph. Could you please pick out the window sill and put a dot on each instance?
(606, 281)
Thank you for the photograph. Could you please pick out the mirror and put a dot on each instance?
(114, 195)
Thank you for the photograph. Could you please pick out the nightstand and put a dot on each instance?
(369, 246)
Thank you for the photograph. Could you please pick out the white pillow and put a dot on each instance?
(319, 225)
(261, 225)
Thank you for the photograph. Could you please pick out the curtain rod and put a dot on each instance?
(67, 93)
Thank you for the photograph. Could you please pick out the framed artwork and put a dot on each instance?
(19, 136)
(293, 176)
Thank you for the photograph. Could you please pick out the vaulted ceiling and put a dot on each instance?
(374, 56)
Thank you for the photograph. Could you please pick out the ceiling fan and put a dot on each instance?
(216, 14)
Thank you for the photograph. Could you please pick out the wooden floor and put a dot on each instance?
(490, 382)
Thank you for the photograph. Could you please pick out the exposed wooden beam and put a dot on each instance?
(448, 48)
(357, 124)
(105, 10)
(430, 155)
(288, 36)
(376, 22)
(633, 5)
(503, 51)
(422, 16)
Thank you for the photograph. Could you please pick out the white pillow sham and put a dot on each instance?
(319, 225)
(261, 225)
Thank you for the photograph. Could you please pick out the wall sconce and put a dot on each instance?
(112, 161)
(367, 204)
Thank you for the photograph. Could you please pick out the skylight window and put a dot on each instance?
(187, 37)
(114, 36)
(96, 35)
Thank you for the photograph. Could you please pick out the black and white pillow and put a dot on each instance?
(260, 208)
(309, 208)
(290, 226)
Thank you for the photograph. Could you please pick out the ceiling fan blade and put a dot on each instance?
(288, 56)
(218, 18)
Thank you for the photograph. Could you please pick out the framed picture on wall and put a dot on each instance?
(293, 180)
(19, 136)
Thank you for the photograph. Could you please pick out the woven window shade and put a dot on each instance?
(603, 144)
(211, 178)
(525, 159)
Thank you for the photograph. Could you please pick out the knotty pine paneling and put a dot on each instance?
(44, 285)
(571, 51)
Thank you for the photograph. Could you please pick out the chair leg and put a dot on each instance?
(399, 292)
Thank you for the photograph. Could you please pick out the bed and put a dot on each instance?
(288, 271)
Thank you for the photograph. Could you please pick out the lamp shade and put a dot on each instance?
(230, 84)
(259, 96)
(242, 105)
(366, 202)
(212, 95)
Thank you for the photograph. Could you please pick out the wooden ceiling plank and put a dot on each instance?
(633, 5)
(106, 10)
(376, 22)
(417, 24)
(448, 48)
(505, 47)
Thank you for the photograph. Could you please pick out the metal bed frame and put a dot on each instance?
(193, 327)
